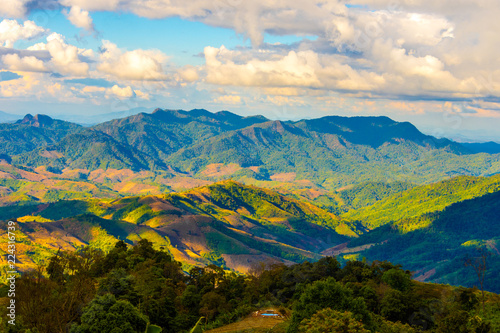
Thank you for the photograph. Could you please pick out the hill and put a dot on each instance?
(33, 132)
(336, 151)
(483, 147)
(136, 287)
(435, 245)
(424, 199)
(225, 223)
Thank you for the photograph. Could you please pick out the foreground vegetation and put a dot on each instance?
(130, 288)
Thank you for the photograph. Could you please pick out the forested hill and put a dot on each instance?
(329, 152)
(226, 223)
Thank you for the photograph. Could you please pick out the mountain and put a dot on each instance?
(336, 151)
(33, 132)
(330, 152)
(436, 245)
(88, 149)
(8, 117)
(226, 223)
(483, 147)
(166, 131)
(90, 120)
(309, 159)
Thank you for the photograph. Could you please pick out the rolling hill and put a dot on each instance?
(435, 245)
(226, 223)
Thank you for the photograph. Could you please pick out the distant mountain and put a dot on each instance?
(166, 131)
(337, 151)
(33, 132)
(328, 153)
(88, 149)
(8, 117)
(483, 147)
(87, 120)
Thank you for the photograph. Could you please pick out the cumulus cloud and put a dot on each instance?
(295, 69)
(228, 99)
(14, 8)
(11, 31)
(385, 48)
(80, 18)
(126, 92)
(28, 63)
(64, 57)
(132, 65)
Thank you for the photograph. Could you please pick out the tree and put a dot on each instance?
(480, 265)
(328, 294)
(328, 320)
(105, 315)
(397, 279)
(393, 306)
(212, 304)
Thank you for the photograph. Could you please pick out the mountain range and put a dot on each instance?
(234, 191)
(328, 153)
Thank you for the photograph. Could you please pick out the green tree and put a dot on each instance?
(107, 315)
(328, 294)
(328, 320)
(397, 279)
(393, 306)
(213, 304)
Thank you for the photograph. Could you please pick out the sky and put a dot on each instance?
(434, 63)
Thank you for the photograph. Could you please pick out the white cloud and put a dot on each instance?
(132, 65)
(125, 92)
(65, 57)
(80, 18)
(13, 8)
(28, 63)
(295, 69)
(228, 99)
(11, 31)
(189, 73)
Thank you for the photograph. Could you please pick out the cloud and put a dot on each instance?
(26, 64)
(65, 58)
(189, 73)
(126, 92)
(296, 69)
(80, 18)
(11, 31)
(14, 8)
(228, 99)
(132, 65)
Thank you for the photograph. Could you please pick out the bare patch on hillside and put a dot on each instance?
(284, 177)
(215, 170)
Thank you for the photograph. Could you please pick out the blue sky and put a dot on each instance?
(285, 60)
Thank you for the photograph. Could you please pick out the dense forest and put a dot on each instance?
(136, 288)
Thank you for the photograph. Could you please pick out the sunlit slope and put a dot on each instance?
(226, 223)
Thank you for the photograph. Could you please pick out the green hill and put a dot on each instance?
(424, 199)
(435, 245)
(225, 223)
(88, 149)
(33, 132)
